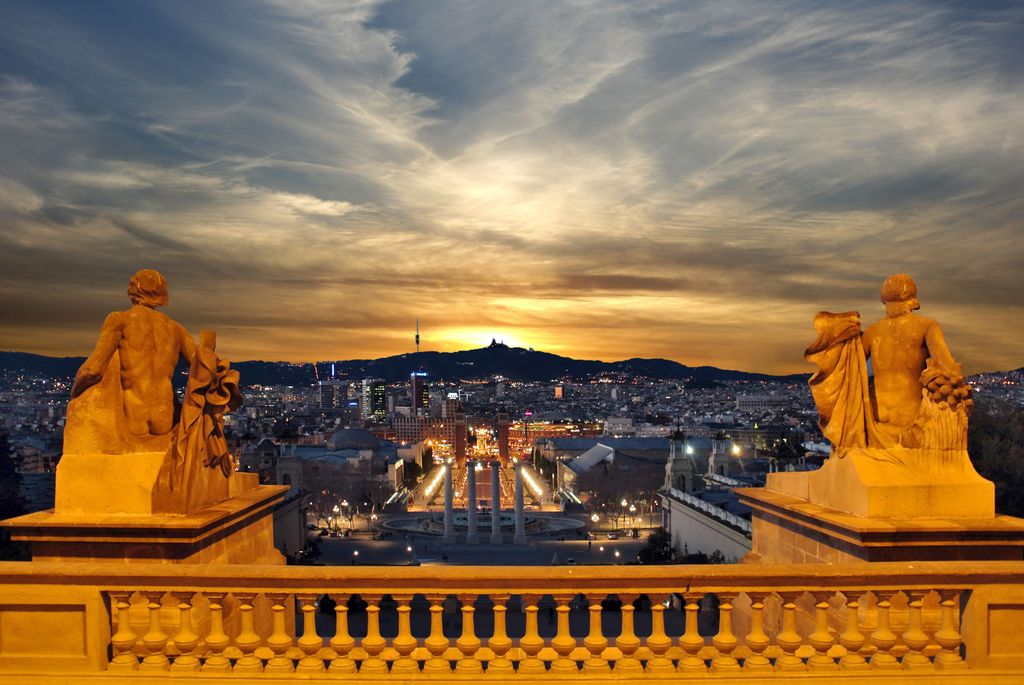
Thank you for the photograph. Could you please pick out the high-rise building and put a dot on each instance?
(374, 400)
(419, 392)
(333, 394)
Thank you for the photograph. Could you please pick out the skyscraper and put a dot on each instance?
(374, 399)
(419, 392)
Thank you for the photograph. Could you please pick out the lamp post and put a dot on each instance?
(594, 518)
(344, 503)
(632, 513)
(336, 511)
(624, 504)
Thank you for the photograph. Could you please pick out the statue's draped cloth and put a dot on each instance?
(840, 387)
(199, 439)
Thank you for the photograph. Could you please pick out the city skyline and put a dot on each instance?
(686, 181)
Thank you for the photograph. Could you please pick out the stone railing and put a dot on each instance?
(78, 622)
(737, 522)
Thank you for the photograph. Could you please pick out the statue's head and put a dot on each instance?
(148, 288)
(899, 294)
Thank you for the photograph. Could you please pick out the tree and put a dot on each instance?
(658, 548)
(995, 441)
(11, 503)
(606, 485)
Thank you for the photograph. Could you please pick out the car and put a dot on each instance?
(613, 536)
(571, 561)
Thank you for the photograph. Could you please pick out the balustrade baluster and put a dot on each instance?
(691, 641)
(725, 642)
(279, 640)
(342, 642)
(627, 641)
(155, 638)
(914, 637)
(947, 636)
(468, 643)
(186, 639)
(436, 643)
(595, 642)
(404, 643)
(124, 639)
(882, 637)
(659, 641)
(821, 638)
(217, 640)
(500, 643)
(757, 640)
(788, 639)
(247, 640)
(373, 644)
(563, 643)
(851, 638)
(531, 642)
(310, 643)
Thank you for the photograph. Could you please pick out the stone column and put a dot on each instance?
(496, 538)
(472, 536)
(449, 513)
(520, 536)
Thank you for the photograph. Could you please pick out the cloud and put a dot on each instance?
(609, 179)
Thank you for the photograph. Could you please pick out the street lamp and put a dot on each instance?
(632, 512)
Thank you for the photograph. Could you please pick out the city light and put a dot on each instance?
(528, 479)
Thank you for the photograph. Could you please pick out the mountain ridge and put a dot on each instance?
(513, 363)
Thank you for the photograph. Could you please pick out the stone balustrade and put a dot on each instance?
(950, 620)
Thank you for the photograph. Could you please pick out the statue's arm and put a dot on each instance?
(937, 348)
(866, 338)
(187, 346)
(92, 370)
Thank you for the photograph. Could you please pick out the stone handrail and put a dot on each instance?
(133, 620)
(717, 512)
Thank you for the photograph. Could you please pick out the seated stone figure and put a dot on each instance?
(123, 405)
(122, 398)
(899, 443)
(913, 370)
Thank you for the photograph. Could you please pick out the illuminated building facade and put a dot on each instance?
(374, 400)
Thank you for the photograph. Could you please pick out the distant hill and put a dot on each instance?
(514, 363)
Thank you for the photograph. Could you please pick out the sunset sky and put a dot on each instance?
(597, 179)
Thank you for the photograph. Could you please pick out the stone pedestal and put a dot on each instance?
(789, 529)
(894, 483)
(881, 504)
(238, 530)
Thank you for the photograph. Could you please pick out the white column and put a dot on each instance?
(449, 513)
(520, 536)
(472, 536)
(496, 538)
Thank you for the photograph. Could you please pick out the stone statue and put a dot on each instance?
(918, 397)
(899, 442)
(125, 384)
(124, 417)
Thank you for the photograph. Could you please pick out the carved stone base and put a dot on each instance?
(894, 483)
(138, 483)
(788, 530)
(239, 530)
